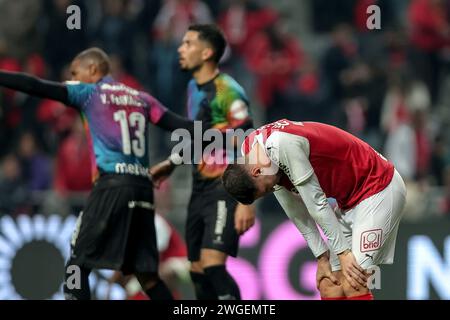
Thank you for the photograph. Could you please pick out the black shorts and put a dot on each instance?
(116, 230)
(210, 223)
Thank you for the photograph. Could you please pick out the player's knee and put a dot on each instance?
(328, 289)
(347, 287)
(325, 286)
(349, 290)
(211, 257)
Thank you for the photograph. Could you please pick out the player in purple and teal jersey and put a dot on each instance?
(116, 228)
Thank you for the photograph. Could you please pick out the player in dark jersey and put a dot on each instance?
(116, 229)
(215, 220)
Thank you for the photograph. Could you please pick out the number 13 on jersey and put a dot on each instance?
(132, 145)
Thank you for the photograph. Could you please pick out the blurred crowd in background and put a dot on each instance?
(304, 60)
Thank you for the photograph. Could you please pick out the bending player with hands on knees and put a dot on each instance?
(303, 164)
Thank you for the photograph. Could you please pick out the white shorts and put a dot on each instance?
(371, 227)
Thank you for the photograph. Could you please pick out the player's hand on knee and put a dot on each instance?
(244, 218)
(324, 270)
(352, 271)
(160, 172)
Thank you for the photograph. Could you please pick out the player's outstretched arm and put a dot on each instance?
(34, 86)
(171, 121)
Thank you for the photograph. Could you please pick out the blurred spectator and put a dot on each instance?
(35, 166)
(28, 105)
(354, 86)
(355, 109)
(241, 20)
(215, 7)
(73, 163)
(176, 16)
(18, 20)
(440, 159)
(338, 58)
(13, 190)
(9, 63)
(407, 144)
(327, 14)
(423, 143)
(121, 75)
(9, 115)
(405, 94)
(60, 43)
(395, 41)
(275, 57)
(146, 15)
(116, 32)
(445, 201)
(304, 98)
(430, 34)
(55, 120)
(400, 149)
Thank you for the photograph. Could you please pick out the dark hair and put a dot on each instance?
(214, 36)
(98, 56)
(239, 184)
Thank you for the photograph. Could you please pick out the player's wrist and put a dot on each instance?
(175, 159)
(344, 253)
(324, 256)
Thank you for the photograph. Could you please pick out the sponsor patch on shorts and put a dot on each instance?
(371, 240)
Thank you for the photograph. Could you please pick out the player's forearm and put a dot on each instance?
(171, 121)
(328, 223)
(34, 86)
(298, 214)
(324, 256)
(320, 210)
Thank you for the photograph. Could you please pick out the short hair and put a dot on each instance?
(214, 36)
(239, 184)
(98, 56)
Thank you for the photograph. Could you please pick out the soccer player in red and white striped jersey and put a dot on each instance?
(303, 164)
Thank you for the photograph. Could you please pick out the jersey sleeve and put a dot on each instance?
(238, 113)
(155, 108)
(320, 210)
(79, 93)
(291, 154)
(297, 212)
(230, 108)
